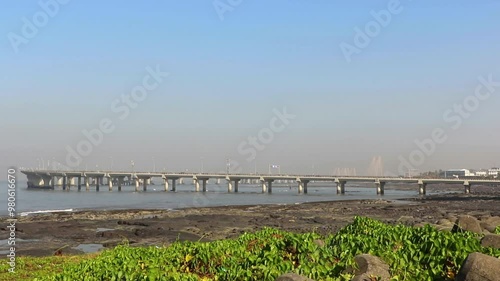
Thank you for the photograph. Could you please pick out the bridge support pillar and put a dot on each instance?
(264, 186)
(303, 186)
(229, 186)
(53, 183)
(197, 185)
(79, 183)
(422, 188)
(120, 183)
(204, 183)
(174, 182)
(145, 185)
(33, 180)
(87, 183)
(136, 181)
(97, 183)
(467, 186)
(341, 187)
(218, 181)
(270, 186)
(166, 184)
(236, 184)
(69, 182)
(181, 181)
(380, 187)
(46, 181)
(65, 179)
(110, 183)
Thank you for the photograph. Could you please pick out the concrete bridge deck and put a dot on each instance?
(48, 179)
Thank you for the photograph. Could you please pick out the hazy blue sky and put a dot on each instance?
(227, 76)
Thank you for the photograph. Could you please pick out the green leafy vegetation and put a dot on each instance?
(29, 268)
(412, 254)
(497, 230)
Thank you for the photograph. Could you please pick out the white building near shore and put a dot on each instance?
(494, 172)
(458, 173)
(481, 173)
(463, 173)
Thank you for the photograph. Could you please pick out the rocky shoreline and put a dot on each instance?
(62, 233)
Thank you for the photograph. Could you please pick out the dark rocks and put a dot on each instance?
(451, 217)
(488, 228)
(467, 223)
(132, 223)
(443, 228)
(479, 267)
(108, 234)
(369, 267)
(486, 225)
(493, 221)
(444, 225)
(141, 232)
(444, 222)
(489, 223)
(114, 243)
(292, 277)
(15, 229)
(407, 220)
(491, 240)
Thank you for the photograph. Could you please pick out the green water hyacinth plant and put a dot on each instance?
(413, 253)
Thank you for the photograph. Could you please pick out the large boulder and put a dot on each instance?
(494, 221)
(369, 266)
(487, 227)
(491, 240)
(444, 222)
(292, 277)
(467, 223)
(479, 267)
(489, 223)
(451, 217)
(443, 227)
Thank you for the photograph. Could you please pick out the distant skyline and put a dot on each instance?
(178, 86)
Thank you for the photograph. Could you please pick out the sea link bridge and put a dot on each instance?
(49, 179)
